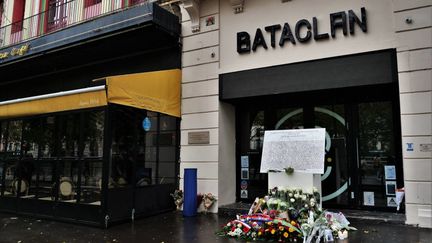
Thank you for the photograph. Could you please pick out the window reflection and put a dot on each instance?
(256, 130)
(2, 154)
(3, 129)
(167, 150)
(91, 182)
(23, 185)
(11, 179)
(123, 144)
(69, 135)
(68, 181)
(12, 156)
(60, 157)
(93, 133)
(31, 135)
(146, 165)
(1, 177)
(376, 148)
(14, 139)
(45, 183)
(47, 140)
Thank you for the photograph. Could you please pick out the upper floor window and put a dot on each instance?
(134, 2)
(1, 11)
(18, 15)
(92, 8)
(88, 3)
(57, 14)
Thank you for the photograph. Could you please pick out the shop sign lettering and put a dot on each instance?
(303, 31)
(19, 51)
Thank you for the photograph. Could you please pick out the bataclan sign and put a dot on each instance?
(339, 20)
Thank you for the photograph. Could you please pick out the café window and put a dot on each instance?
(69, 135)
(167, 149)
(60, 157)
(3, 143)
(123, 145)
(93, 128)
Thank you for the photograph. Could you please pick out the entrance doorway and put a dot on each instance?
(363, 163)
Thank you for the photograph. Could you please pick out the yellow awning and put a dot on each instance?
(156, 91)
(54, 104)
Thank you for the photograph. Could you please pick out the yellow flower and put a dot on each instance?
(281, 228)
(293, 222)
(291, 230)
(273, 231)
(285, 234)
(259, 233)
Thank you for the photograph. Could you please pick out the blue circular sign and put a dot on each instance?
(146, 124)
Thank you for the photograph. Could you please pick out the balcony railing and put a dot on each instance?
(60, 14)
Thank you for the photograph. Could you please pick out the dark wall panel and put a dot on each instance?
(81, 77)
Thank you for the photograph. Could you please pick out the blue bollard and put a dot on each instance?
(190, 193)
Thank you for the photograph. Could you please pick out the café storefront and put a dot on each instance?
(89, 115)
(96, 155)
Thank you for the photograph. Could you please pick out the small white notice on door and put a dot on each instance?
(369, 198)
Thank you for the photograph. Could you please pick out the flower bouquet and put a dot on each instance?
(209, 199)
(288, 215)
(178, 198)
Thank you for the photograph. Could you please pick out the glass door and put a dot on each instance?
(362, 166)
(251, 182)
(377, 167)
(336, 178)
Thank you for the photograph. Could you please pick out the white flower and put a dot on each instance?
(296, 196)
(236, 232)
(229, 224)
(312, 200)
(304, 197)
(239, 225)
(312, 204)
(290, 194)
(333, 227)
(306, 206)
(314, 189)
(292, 200)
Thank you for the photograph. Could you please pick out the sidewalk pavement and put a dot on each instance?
(173, 227)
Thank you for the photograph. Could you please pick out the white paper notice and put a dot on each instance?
(390, 172)
(301, 149)
(369, 198)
